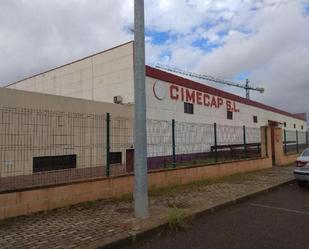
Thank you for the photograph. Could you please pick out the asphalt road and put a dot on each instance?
(278, 219)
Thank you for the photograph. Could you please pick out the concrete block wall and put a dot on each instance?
(98, 77)
(50, 197)
(36, 125)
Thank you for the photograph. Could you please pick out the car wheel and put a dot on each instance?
(301, 183)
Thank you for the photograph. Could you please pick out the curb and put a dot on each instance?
(152, 231)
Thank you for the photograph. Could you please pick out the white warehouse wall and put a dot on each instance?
(99, 77)
(167, 109)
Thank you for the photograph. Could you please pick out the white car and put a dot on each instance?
(301, 169)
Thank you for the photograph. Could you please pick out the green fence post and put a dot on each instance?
(173, 143)
(107, 169)
(297, 141)
(245, 143)
(285, 146)
(306, 139)
(215, 136)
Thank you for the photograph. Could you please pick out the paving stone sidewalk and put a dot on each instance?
(99, 223)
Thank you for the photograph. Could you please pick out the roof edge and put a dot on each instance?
(69, 63)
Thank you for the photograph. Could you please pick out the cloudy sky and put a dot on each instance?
(266, 41)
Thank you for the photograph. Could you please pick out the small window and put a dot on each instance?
(115, 157)
(294, 126)
(302, 127)
(284, 124)
(51, 163)
(188, 108)
(229, 115)
(255, 120)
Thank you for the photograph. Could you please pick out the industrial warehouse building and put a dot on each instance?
(108, 77)
(62, 114)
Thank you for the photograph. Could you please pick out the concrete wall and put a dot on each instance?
(36, 125)
(98, 77)
(20, 99)
(30, 201)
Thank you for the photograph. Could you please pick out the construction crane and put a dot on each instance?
(247, 87)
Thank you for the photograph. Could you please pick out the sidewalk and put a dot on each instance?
(99, 223)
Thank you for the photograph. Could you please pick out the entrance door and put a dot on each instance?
(129, 160)
(272, 125)
(272, 137)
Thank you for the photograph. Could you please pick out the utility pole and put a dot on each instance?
(140, 136)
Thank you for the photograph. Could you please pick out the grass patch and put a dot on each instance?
(176, 188)
(178, 219)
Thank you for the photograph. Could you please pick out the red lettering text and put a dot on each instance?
(190, 97)
(206, 99)
(220, 101)
(213, 102)
(174, 92)
(182, 94)
(199, 98)
(235, 109)
(229, 106)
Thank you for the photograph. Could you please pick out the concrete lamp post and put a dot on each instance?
(140, 136)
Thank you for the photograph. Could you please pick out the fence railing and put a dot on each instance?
(42, 147)
(294, 141)
(172, 143)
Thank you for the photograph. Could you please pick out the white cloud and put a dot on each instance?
(276, 54)
(268, 38)
(36, 35)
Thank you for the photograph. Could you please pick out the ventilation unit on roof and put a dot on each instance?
(118, 99)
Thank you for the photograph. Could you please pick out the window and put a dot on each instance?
(284, 124)
(50, 163)
(115, 157)
(302, 127)
(255, 120)
(294, 126)
(188, 108)
(305, 153)
(229, 115)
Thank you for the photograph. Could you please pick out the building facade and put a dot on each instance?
(62, 113)
(108, 77)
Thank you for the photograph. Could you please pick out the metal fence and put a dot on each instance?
(42, 147)
(173, 144)
(294, 141)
